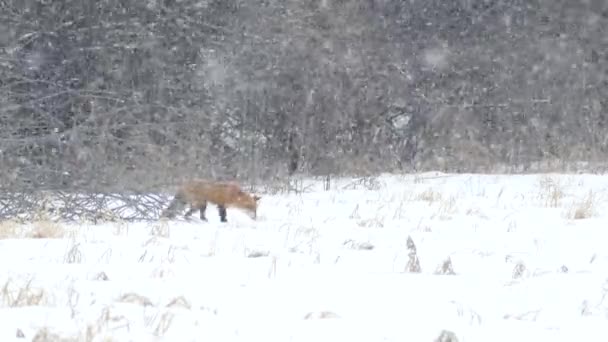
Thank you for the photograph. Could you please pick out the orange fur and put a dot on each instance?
(197, 193)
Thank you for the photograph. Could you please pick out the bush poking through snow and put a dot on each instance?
(446, 336)
(101, 276)
(411, 247)
(413, 264)
(519, 271)
(445, 268)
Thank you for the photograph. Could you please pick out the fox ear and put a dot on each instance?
(256, 197)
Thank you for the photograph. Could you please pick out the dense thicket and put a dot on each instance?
(121, 94)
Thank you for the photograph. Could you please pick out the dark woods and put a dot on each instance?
(109, 95)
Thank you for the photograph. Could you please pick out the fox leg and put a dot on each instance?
(222, 211)
(190, 211)
(202, 207)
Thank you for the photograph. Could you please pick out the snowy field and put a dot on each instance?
(490, 258)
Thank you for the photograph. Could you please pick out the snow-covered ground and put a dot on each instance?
(529, 256)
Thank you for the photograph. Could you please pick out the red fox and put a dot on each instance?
(198, 192)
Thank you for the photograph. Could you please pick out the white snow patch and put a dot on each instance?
(329, 266)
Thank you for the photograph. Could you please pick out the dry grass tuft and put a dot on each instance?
(551, 192)
(39, 229)
(10, 229)
(120, 228)
(429, 195)
(20, 295)
(135, 298)
(163, 272)
(447, 208)
(45, 335)
(163, 323)
(292, 185)
(107, 215)
(256, 253)
(400, 211)
(73, 255)
(179, 302)
(413, 264)
(361, 246)
(512, 226)
(476, 212)
(272, 269)
(367, 183)
(105, 322)
(160, 321)
(47, 230)
(355, 213)
(584, 208)
(446, 268)
(465, 311)
(418, 179)
(377, 221)
(161, 229)
(374, 222)
(305, 238)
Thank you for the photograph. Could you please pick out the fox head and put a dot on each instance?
(249, 203)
